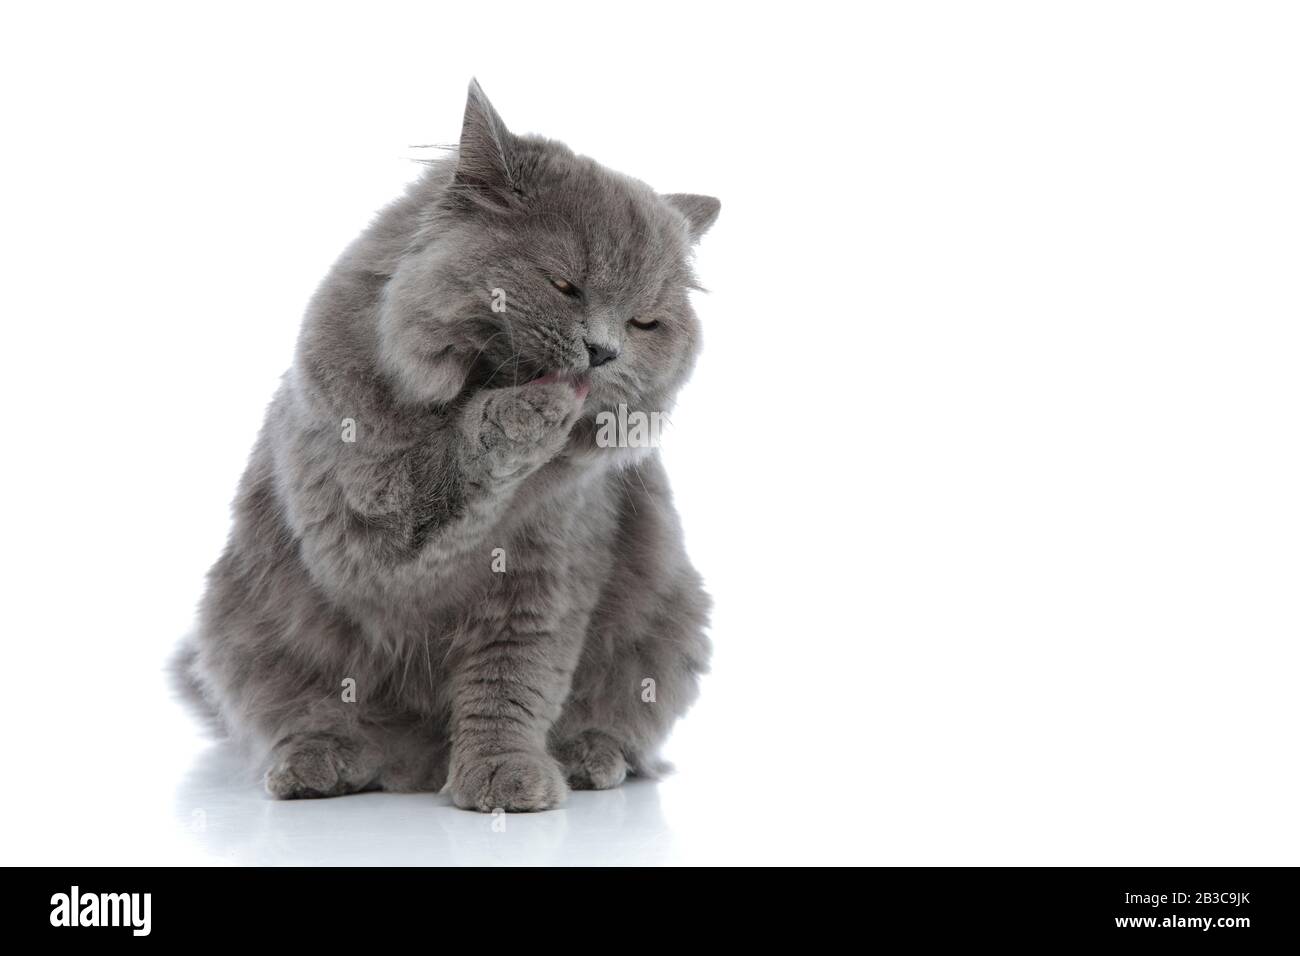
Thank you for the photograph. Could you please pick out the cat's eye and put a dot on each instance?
(567, 287)
(652, 324)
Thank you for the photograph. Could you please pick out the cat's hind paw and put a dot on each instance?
(593, 761)
(314, 765)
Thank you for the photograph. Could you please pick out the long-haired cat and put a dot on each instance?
(439, 574)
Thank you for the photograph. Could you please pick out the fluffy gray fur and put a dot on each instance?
(373, 560)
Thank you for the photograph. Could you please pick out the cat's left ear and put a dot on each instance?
(700, 211)
(485, 166)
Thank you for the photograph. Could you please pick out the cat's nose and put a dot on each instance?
(598, 355)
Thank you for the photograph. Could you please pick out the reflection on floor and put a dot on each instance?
(230, 816)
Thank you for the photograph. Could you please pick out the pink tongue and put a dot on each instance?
(580, 386)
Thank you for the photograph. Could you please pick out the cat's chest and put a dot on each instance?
(557, 546)
(554, 541)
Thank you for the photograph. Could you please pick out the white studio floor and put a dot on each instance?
(143, 787)
(125, 779)
(229, 821)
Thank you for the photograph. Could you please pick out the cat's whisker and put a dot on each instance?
(483, 347)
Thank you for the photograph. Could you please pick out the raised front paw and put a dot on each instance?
(514, 430)
(516, 782)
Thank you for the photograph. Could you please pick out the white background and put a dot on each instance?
(990, 464)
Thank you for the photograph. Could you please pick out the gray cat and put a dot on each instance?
(439, 573)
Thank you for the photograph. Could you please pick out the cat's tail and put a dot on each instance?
(183, 672)
(652, 766)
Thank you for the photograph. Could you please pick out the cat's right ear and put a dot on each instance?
(486, 173)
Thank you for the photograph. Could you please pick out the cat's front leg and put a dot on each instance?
(508, 689)
(510, 679)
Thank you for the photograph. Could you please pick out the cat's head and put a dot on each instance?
(536, 261)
